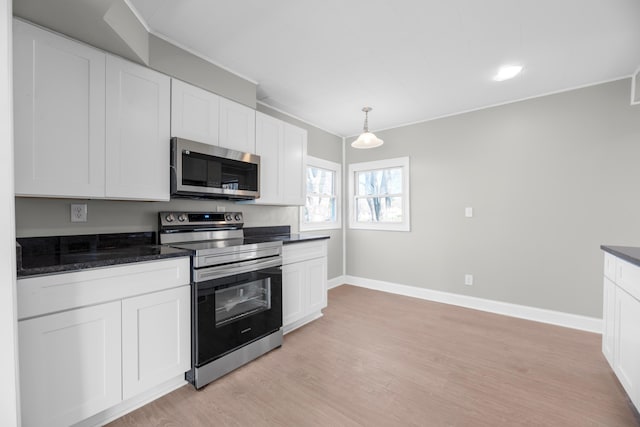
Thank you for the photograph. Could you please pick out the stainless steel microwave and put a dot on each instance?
(206, 171)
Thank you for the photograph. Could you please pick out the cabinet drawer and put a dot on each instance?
(48, 294)
(610, 266)
(296, 252)
(628, 277)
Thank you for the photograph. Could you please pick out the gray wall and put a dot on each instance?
(550, 179)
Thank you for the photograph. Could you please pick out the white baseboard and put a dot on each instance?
(336, 281)
(295, 325)
(568, 320)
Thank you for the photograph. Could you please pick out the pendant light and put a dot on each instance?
(367, 139)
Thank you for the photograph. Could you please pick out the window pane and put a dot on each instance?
(320, 209)
(319, 181)
(381, 181)
(379, 209)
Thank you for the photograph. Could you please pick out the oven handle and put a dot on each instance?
(230, 270)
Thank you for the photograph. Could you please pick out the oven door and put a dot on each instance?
(235, 307)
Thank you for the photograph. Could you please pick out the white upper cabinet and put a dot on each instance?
(87, 124)
(237, 126)
(282, 148)
(137, 153)
(269, 146)
(194, 113)
(59, 110)
(295, 154)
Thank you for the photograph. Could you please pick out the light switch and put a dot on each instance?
(468, 212)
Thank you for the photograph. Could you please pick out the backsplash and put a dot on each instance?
(51, 217)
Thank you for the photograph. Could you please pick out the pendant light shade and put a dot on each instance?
(367, 139)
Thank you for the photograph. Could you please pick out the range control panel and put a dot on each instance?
(200, 219)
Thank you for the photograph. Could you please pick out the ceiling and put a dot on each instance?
(411, 60)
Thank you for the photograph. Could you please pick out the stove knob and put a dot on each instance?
(228, 217)
(238, 217)
(169, 218)
(182, 217)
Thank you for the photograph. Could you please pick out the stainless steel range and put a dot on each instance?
(236, 291)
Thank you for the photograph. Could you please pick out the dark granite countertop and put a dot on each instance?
(280, 233)
(627, 253)
(62, 254)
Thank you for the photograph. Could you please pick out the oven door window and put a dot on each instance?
(235, 310)
(237, 302)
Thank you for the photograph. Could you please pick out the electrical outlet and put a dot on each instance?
(468, 279)
(221, 208)
(79, 212)
(468, 212)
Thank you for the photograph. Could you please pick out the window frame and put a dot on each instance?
(336, 168)
(399, 162)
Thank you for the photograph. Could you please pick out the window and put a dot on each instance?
(322, 208)
(379, 195)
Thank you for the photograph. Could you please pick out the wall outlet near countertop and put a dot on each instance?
(468, 279)
(79, 212)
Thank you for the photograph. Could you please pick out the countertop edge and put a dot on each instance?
(304, 238)
(627, 253)
(70, 268)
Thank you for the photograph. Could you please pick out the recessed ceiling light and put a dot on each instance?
(507, 72)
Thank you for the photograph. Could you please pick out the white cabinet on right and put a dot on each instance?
(304, 283)
(621, 317)
(282, 148)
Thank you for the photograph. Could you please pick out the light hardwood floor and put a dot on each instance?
(377, 359)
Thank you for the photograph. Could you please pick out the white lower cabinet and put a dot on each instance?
(304, 283)
(78, 362)
(70, 365)
(293, 278)
(626, 359)
(621, 317)
(155, 339)
(608, 310)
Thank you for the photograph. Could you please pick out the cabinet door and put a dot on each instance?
(156, 339)
(294, 157)
(316, 279)
(59, 102)
(293, 293)
(70, 366)
(627, 343)
(194, 113)
(608, 320)
(137, 150)
(237, 126)
(269, 146)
